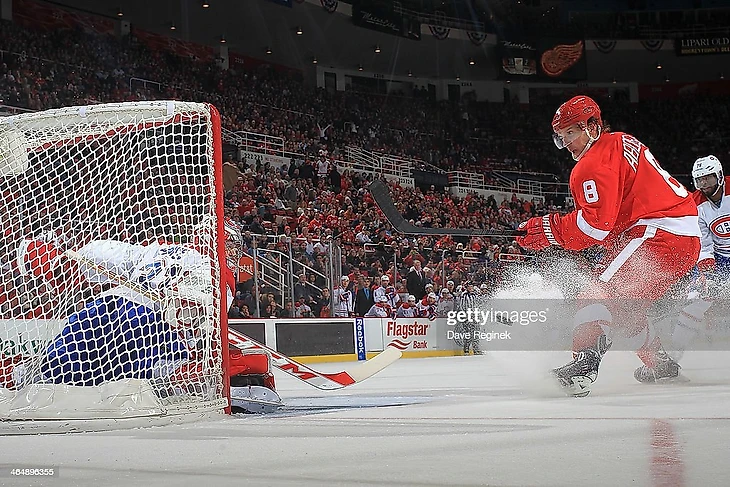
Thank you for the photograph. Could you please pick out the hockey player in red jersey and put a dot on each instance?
(641, 215)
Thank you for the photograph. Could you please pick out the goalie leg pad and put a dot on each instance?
(248, 362)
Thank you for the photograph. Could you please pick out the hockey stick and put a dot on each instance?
(320, 380)
(381, 194)
(338, 380)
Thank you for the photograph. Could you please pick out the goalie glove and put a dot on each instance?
(161, 273)
(538, 232)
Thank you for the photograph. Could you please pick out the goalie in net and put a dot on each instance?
(135, 316)
(147, 320)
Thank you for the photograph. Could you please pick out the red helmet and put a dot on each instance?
(577, 109)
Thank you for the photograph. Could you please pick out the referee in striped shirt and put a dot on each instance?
(469, 300)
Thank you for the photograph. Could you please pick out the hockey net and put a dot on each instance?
(111, 286)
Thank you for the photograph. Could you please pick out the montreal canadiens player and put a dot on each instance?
(126, 334)
(646, 221)
(714, 216)
(713, 269)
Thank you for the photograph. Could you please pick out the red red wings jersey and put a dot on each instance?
(619, 184)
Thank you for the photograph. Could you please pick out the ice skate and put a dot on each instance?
(666, 370)
(577, 376)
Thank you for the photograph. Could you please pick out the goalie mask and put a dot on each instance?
(707, 176)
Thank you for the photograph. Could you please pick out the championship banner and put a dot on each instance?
(702, 45)
(191, 50)
(563, 59)
(378, 17)
(46, 16)
(517, 58)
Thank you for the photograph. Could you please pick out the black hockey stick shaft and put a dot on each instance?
(381, 194)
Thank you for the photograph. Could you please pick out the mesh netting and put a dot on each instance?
(110, 299)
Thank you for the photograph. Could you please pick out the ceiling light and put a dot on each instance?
(172, 26)
(119, 13)
(377, 49)
(659, 65)
(268, 50)
(314, 61)
(359, 68)
(223, 39)
(299, 31)
(206, 5)
(471, 61)
(410, 73)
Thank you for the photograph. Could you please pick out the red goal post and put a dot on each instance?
(138, 188)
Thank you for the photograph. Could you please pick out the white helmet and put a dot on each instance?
(704, 166)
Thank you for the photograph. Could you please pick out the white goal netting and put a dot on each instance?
(110, 276)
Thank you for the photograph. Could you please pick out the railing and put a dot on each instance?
(501, 177)
(278, 269)
(254, 142)
(440, 19)
(412, 163)
(360, 160)
(473, 180)
(542, 188)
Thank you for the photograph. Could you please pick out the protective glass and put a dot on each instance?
(709, 181)
(564, 138)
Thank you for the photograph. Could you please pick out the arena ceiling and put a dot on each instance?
(251, 27)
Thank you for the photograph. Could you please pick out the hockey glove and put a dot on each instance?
(706, 265)
(539, 232)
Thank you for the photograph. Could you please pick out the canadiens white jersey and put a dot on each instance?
(153, 266)
(714, 220)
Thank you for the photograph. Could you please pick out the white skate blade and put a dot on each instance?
(680, 379)
(581, 386)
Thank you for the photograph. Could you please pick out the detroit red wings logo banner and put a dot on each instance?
(563, 59)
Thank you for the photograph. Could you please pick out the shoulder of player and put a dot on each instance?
(602, 158)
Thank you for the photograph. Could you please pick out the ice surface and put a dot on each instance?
(481, 420)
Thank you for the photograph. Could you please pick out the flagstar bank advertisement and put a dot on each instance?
(416, 337)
